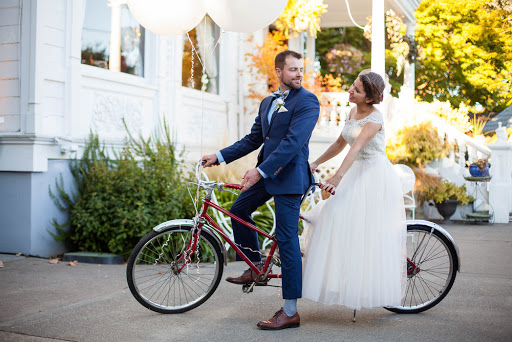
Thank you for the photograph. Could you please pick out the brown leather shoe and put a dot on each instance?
(280, 321)
(247, 277)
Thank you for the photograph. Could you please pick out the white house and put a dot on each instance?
(68, 67)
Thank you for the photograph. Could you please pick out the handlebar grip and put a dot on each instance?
(233, 186)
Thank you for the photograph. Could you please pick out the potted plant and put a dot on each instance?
(446, 196)
(479, 168)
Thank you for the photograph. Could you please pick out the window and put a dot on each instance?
(204, 37)
(98, 34)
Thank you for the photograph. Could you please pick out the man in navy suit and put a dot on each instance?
(284, 125)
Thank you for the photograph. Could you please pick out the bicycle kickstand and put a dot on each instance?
(248, 288)
(251, 287)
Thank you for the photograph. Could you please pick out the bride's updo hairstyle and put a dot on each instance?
(373, 85)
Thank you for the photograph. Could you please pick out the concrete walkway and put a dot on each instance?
(46, 302)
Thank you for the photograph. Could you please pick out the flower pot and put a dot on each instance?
(475, 172)
(447, 208)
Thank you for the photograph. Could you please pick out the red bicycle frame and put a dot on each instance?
(204, 217)
(207, 203)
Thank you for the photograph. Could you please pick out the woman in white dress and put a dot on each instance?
(355, 254)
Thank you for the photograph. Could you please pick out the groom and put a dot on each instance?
(284, 124)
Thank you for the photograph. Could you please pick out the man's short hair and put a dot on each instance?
(281, 58)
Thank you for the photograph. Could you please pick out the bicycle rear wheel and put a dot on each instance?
(165, 279)
(431, 269)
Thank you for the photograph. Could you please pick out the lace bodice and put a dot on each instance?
(375, 147)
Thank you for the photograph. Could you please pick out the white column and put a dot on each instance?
(310, 58)
(115, 36)
(500, 186)
(378, 37)
(296, 43)
(407, 90)
(74, 23)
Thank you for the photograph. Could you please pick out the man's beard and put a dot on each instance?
(292, 85)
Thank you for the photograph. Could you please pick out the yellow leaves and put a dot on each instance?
(301, 15)
(472, 43)
(73, 263)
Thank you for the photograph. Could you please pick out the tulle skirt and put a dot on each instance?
(354, 246)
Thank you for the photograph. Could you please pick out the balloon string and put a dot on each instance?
(218, 41)
(194, 50)
(203, 87)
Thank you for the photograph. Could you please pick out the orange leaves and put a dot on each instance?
(263, 61)
(328, 83)
(53, 261)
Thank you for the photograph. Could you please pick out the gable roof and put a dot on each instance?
(505, 117)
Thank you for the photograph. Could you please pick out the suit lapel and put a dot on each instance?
(288, 98)
(264, 116)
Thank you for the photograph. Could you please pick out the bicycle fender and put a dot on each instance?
(440, 230)
(190, 223)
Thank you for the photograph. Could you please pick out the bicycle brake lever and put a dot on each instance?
(224, 190)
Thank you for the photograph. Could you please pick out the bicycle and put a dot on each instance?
(179, 264)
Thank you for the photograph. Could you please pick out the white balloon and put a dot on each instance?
(244, 15)
(168, 17)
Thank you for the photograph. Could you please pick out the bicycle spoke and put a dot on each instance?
(423, 285)
(161, 283)
(433, 274)
(430, 285)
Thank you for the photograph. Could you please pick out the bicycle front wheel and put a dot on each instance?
(165, 278)
(431, 269)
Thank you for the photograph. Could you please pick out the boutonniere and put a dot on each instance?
(280, 106)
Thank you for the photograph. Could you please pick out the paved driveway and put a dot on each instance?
(44, 302)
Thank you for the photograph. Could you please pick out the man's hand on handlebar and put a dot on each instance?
(209, 160)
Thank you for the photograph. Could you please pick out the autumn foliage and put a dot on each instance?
(262, 61)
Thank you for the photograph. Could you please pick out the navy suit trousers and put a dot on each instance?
(287, 209)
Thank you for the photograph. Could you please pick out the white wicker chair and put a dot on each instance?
(407, 179)
(309, 203)
(224, 221)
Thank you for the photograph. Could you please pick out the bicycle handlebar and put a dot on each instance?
(233, 186)
(218, 185)
(238, 186)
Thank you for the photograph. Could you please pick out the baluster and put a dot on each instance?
(462, 154)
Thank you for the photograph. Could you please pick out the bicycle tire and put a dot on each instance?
(152, 273)
(438, 265)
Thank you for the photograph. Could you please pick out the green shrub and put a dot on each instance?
(118, 200)
(446, 190)
(416, 145)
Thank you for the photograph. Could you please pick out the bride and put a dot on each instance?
(355, 253)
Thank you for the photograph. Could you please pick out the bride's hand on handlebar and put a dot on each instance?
(209, 160)
(331, 184)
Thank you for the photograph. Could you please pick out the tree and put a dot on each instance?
(466, 52)
(346, 51)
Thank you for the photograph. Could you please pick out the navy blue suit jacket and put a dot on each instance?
(285, 152)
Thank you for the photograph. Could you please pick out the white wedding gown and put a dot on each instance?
(355, 242)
